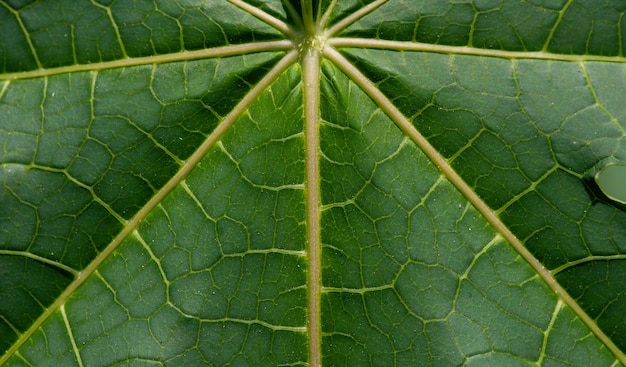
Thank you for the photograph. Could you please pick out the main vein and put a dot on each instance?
(311, 70)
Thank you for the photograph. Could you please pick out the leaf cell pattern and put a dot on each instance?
(166, 200)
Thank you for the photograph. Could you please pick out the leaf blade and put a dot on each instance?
(490, 107)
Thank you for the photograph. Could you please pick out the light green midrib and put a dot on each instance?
(311, 74)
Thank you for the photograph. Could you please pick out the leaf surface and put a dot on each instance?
(316, 183)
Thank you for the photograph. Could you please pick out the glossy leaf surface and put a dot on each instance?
(311, 183)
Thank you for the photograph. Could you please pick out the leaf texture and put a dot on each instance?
(311, 183)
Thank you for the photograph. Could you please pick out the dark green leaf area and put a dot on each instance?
(149, 28)
(102, 151)
(523, 135)
(50, 216)
(60, 352)
(266, 145)
(469, 110)
(15, 55)
(562, 213)
(553, 214)
(254, 345)
(350, 127)
(562, 230)
(17, 140)
(55, 34)
(43, 122)
(44, 214)
(508, 25)
(576, 106)
(24, 298)
(602, 294)
(59, 206)
(70, 193)
(414, 276)
(567, 332)
(69, 32)
(521, 102)
(589, 27)
(354, 341)
(374, 327)
(98, 315)
(492, 284)
(191, 96)
(180, 289)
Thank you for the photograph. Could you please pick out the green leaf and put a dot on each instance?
(265, 182)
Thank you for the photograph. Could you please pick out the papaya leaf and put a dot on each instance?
(307, 183)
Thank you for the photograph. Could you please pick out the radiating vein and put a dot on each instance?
(345, 22)
(232, 50)
(71, 337)
(273, 21)
(56, 264)
(546, 334)
(323, 22)
(339, 42)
